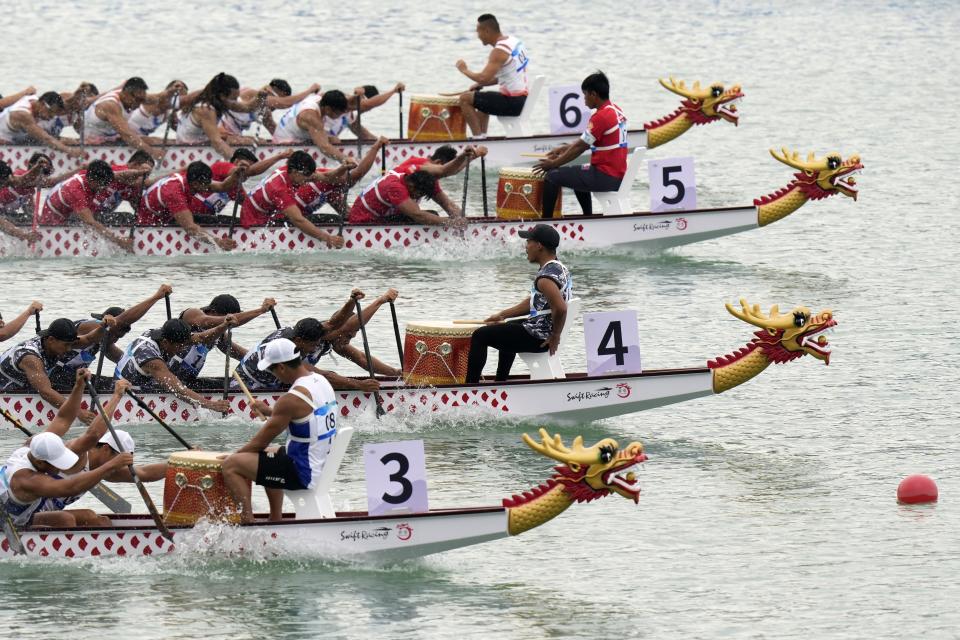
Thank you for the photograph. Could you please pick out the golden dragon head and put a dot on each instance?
(784, 336)
(709, 104)
(588, 473)
(821, 177)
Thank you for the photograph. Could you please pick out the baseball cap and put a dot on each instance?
(175, 330)
(62, 329)
(109, 311)
(50, 448)
(545, 234)
(126, 441)
(275, 352)
(223, 304)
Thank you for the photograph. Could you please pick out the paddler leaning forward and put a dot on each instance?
(308, 412)
(47, 474)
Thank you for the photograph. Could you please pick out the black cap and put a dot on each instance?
(223, 304)
(62, 329)
(175, 330)
(545, 234)
(109, 311)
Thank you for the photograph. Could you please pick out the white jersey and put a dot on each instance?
(236, 122)
(143, 123)
(20, 512)
(98, 130)
(512, 76)
(287, 129)
(189, 132)
(310, 438)
(335, 126)
(9, 134)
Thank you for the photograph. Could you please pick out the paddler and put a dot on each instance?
(545, 310)
(205, 320)
(321, 190)
(315, 339)
(27, 365)
(275, 197)
(243, 163)
(319, 118)
(33, 119)
(199, 121)
(12, 328)
(308, 411)
(81, 357)
(78, 197)
(13, 98)
(107, 119)
(506, 66)
(277, 94)
(126, 186)
(605, 137)
(146, 361)
(47, 474)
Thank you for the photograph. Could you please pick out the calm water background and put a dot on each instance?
(767, 512)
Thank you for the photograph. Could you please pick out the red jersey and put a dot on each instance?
(13, 199)
(607, 136)
(310, 196)
(66, 198)
(110, 198)
(379, 202)
(164, 198)
(268, 200)
(414, 164)
(212, 202)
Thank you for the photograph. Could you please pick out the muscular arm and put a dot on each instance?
(137, 311)
(448, 205)
(145, 472)
(522, 308)
(285, 102)
(413, 211)
(361, 132)
(563, 155)
(13, 327)
(30, 486)
(259, 167)
(68, 410)
(336, 380)
(295, 216)
(12, 230)
(287, 408)
(313, 122)
(359, 358)
(37, 378)
(86, 216)
(208, 122)
(158, 370)
(185, 219)
(110, 111)
(14, 97)
(98, 427)
(26, 122)
(488, 75)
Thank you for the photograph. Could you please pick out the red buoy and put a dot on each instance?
(917, 489)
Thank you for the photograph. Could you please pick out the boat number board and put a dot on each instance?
(396, 477)
(673, 186)
(613, 342)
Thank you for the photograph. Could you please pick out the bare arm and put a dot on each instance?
(37, 378)
(312, 122)
(98, 427)
(208, 122)
(259, 167)
(185, 219)
(86, 216)
(137, 311)
(358, 357)
(522, 308)
(285, 102)
(145, 472)
(294, 215)
(488, 75)
(448, 205)
(39, 485)
(287, 408)
(110, 111)
(70, 408)
(158, 370)
(366, 104)
(562, 155)
(11, 99)
(13, 327)
(413, 211)
(558, 311)
(26, 122)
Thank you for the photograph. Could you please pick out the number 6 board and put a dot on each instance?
(396, 477)
(613, 342)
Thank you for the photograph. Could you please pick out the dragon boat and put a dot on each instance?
(574, 398)
(815, 179)
(699, 106)
(584, 474)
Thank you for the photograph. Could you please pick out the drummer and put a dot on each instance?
(315, 339)
(545, 308)
(308, 411)
(506, 66)
(147, 361)
(12, 328)
(42, 477)
(606, 138)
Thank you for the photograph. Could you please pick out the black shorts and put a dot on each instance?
(579, 179)
(276, 470)
(497, 104)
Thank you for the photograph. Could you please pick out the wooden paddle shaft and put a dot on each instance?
(246, 392)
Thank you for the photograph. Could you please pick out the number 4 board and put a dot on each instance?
(613, 342)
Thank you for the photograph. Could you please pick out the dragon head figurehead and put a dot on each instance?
(585, 474)
(781, 337)
(699, 106)
(816, 178)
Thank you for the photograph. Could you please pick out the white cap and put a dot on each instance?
(275, 352)
(50, 448)
(125, 440)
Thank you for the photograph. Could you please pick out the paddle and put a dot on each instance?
(12, 535)
(396, 331)
(143, 405)
(36, 214)
(466, 181)
(236, 202)
(101, 492)
(166, 299)
(37, 314)
(136, 209)
(276, 320)
(226, 366)
(400, 110)
(246, 392)
(383, 160)
(483, 184)
(103, 351)
(82, 128)
(174, 103)
(366, 352)
(147, 500)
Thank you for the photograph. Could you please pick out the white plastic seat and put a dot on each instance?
(316, 503)
(515, 127)
(614, 202)
(544, 366)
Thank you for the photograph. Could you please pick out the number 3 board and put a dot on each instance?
(396, 477)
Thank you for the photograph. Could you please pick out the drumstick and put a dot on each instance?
(450, 95)
(533, 155)
(246, 392)
(527, 317)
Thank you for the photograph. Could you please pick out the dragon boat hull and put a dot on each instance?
(647, 232)
(348, 536)
(501, 151)
(574, 399)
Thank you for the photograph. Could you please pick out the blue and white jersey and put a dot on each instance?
(20, 512)
(237, 122)
(142, 350)
(144, 123)
(335, 126)
(310, 438)
(65, 370)
(287, 128)
(512, 76)
(540, 325)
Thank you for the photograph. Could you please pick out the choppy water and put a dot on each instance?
(767, 512)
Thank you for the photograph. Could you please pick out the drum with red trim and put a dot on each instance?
(520, 194)
(436, 352)
(435, 118)
(194, 489)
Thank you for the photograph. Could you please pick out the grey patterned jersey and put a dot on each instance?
(541, 326)
(11, 376)
(256, 379)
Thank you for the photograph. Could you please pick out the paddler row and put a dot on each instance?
(222, 112)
